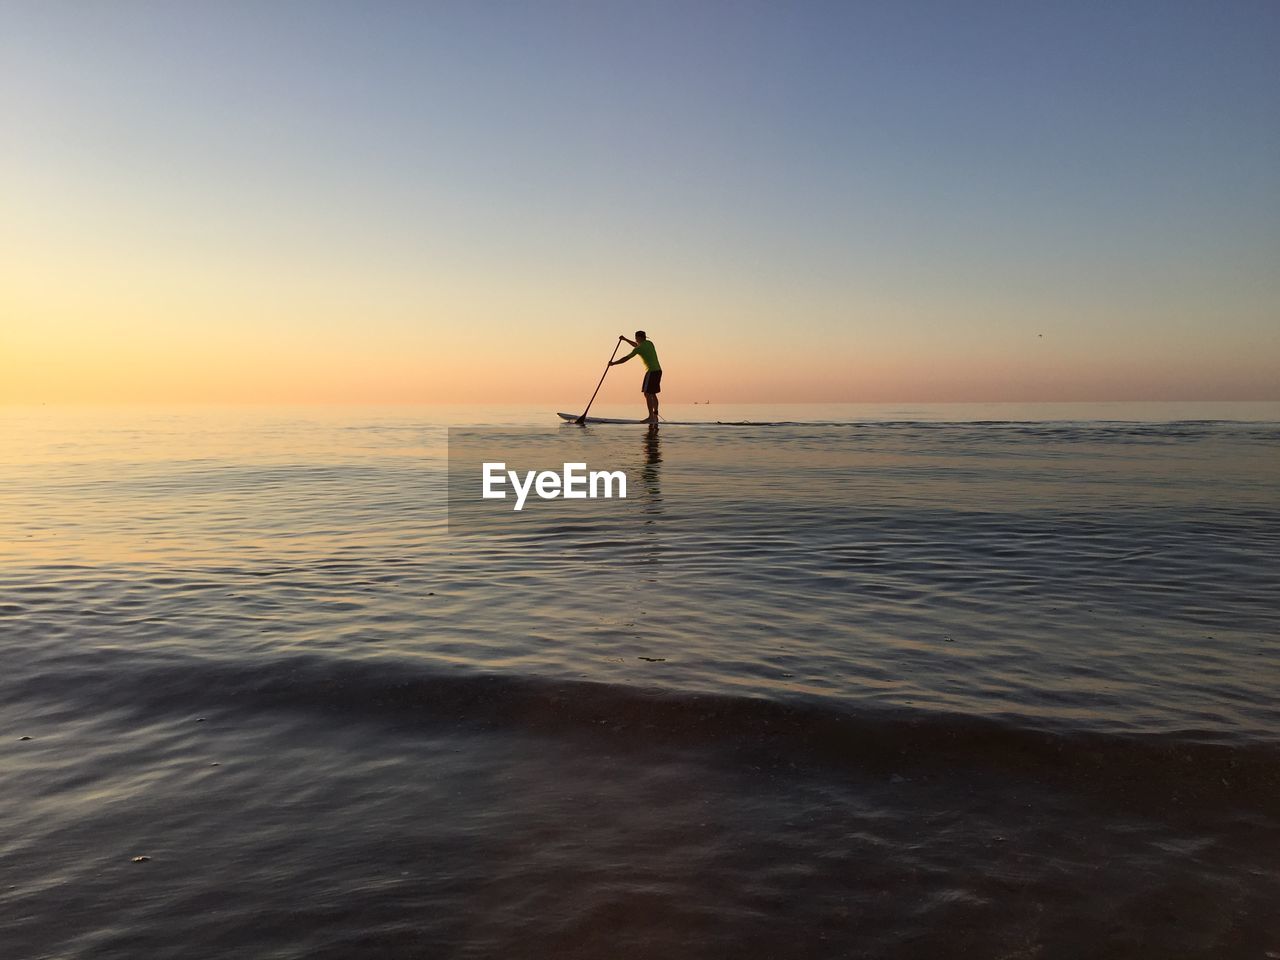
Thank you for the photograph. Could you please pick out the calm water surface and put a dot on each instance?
(863, 681)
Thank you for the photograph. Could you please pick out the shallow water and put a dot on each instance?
(884, 682)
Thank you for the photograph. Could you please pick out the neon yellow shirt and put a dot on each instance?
(648, 353)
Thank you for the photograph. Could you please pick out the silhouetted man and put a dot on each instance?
(652, 382)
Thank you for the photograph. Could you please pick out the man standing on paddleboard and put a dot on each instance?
(652, 382)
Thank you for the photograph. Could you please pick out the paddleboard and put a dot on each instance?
(572, 417)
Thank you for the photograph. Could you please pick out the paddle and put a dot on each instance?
(583, 419)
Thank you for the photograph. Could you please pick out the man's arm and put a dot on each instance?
(629, 355)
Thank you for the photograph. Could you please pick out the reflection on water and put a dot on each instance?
(649, 473)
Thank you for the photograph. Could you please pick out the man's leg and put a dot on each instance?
(651, 401)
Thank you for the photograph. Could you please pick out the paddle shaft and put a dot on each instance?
(583, 418)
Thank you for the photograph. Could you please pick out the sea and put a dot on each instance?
(930, 681)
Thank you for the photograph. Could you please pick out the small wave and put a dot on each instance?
(840, 734)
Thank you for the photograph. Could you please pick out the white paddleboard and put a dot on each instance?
(572, 417)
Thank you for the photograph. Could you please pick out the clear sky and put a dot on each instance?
(397, 201)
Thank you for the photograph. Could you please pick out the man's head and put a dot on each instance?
(640, 335)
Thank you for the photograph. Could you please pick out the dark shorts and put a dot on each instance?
(652, 382)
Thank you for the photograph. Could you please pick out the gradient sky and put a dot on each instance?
(459, 202)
